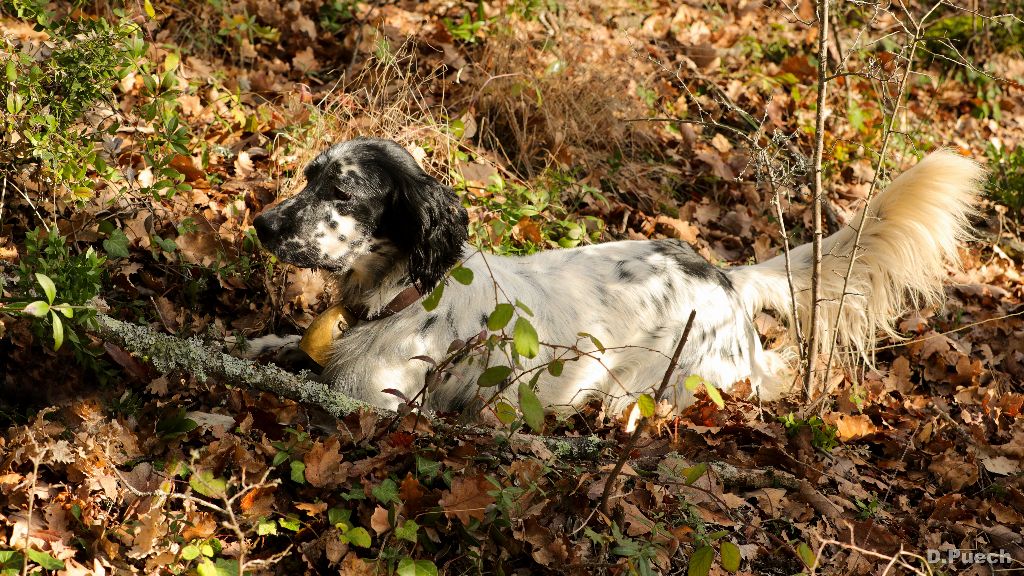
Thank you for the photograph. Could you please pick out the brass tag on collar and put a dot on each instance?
(325, 329)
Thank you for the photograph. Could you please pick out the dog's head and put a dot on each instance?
(364, 196)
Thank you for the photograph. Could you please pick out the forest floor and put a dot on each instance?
(558, 123)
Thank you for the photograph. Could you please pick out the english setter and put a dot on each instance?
(389, 233)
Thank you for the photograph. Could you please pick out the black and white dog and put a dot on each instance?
(389, 232)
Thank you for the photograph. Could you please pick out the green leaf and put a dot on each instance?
(266, 528)
(11, 562)
(524, 308)
(700, 561)
(12, 71)
(14, 102)
(190, 552)
(410, 567)
(116, 245)
(692, 381)
(205, 483)
(222, 567)
(493, 376)
(177, 424)
(298, 474)
(432, 299)
(44, 559)
(693, 473)
(407, 531)
(290, 523)
(386, 492)
(805, 554)
(646, 405)
(65, 309)
(48, 288)
(359, 537)
(426, 467)
(525, 339)
(533, 412)
(462, 275)
(730, 556)
(505, 412)
(715, 395)
(500, 317)
(58, 331)
(37, 309)
(338, 516)
(555, 367)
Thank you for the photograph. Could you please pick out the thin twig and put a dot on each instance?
(819, 193)
(642, 425)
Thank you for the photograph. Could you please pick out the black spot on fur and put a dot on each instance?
(622, 273)
(690, 262)
(430, 321)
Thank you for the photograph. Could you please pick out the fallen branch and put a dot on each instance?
(169, 353)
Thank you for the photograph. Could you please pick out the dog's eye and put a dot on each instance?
(341, 194)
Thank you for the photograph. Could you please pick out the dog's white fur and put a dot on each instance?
(634, 297)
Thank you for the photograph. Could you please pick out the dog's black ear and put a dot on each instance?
(435, 229)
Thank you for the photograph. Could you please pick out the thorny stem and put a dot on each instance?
(819, 193)
(642, 425)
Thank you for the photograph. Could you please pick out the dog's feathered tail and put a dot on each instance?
(911, 233)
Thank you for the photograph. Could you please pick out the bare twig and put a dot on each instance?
(819, 193)
(642, 425)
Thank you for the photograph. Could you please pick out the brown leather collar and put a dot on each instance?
(404, 299)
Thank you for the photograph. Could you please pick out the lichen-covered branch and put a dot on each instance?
(168, 353)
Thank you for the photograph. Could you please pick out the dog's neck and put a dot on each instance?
(375, 279)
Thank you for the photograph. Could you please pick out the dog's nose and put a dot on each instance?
(267, 227)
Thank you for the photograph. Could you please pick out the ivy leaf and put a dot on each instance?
(525, 339)
(730, 556)
(646, 405)
(407, 531)
(386, 492)
(493, 376)
(463, 275)
(500, 317)
(117, 244)
(533, 412)
(44, 559)
(434, 298)
(48, 288)
(298, 474)
(700, 561)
